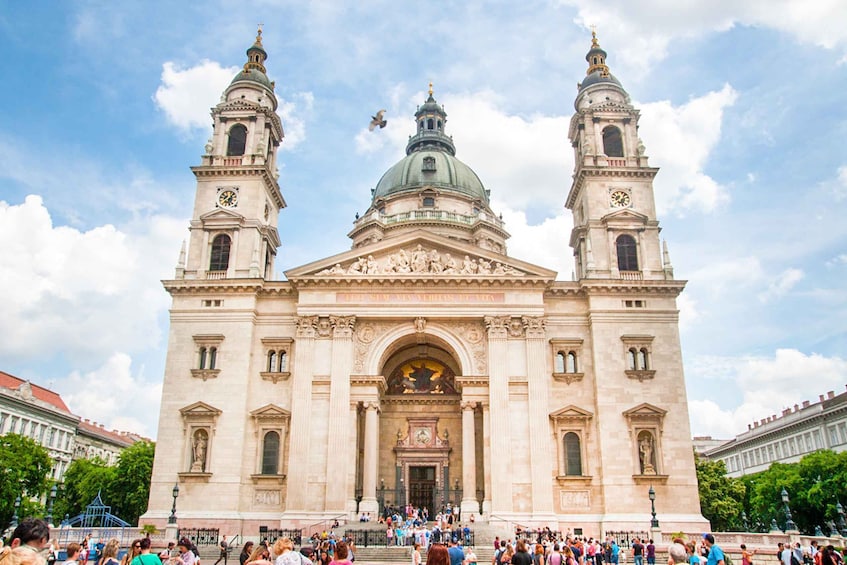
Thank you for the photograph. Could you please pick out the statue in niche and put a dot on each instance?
(646, 451)
(198, 451)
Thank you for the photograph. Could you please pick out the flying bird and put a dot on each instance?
(377, 121)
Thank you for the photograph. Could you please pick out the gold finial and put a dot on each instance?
(259, 34)
(594, 42)
(430, 89)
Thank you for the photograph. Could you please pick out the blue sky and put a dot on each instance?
(106, 108)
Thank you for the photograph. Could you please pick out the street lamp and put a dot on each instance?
(654, 523)
(790, 526)
(842, 523)
(174, 493)
(744, 520)
(15, 515)
(53, 491)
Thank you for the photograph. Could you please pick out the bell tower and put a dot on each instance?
(233, 231)
(615, 233)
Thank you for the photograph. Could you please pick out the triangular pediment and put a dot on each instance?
(199, 409)
(221, 214)
(419, 254)
(625, 216)
(270, 412)
(570, 412)
(645, 413)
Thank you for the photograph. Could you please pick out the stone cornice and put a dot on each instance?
(413, 280)
(584, 171)
(422, 399)
(227, 286)
(616, 287)
(211, 171)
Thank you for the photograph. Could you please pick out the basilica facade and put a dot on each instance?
(425, 365)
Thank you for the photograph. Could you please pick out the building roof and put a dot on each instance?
(112, 436)
(39, 393)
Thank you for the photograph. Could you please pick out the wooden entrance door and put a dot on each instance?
(422, 487)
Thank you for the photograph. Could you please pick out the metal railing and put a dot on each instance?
(200, 536)
(272, 534)
(624, 537)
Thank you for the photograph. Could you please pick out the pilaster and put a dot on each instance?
(498, 384)
(539, 392)
(369, 502)
(301, 390)
(339, 448)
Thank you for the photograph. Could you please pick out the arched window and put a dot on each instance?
(220, 253)
(213, 357)
(643, 357)
(627, 253)
(270, 454)
(430, 124)
(283, 361)
(202, 362)
(612, 142)
(573, 455)
(271, 361)
(572, 367)
(237, 141)
(632, 356)
(560, 362)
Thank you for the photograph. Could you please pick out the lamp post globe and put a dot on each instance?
(790, 526)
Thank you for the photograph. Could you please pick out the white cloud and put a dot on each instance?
(186, 95)
(82, 293)
(837, 260)
(646, 37)
(544, 244)
(679, 139)
(114, 396)
(781, 285)
(767, 386)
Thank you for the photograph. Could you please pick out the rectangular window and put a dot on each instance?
(50, 442)
(817, 441)
(833, 435)
(842, 432)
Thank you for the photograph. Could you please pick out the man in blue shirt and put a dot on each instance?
(715, 552)
(457, 556)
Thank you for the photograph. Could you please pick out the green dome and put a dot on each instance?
(450, 174)
(253, 75)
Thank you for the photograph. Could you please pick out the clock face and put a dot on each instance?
(228, 198)
(620, 199)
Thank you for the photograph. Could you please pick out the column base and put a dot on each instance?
(486, 507)
(171, 532)
(469, 507)
(370, 505)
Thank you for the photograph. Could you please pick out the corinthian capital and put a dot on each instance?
(497, 326)
(342, 326)
(306, 326)
(534, 326)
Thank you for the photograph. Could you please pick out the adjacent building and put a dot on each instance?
(787, 437)
(40, 413)
(425, 364)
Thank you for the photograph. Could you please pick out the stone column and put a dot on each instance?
(539, 426)
(339, 449)
(498, 386)
(301, 389)
(486, 459)
(353, 454)
(369, 502)
(470, 505)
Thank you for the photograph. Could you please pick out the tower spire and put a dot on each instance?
(596, 57)
(256, 54)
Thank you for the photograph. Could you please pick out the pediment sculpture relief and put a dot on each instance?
(421, 261)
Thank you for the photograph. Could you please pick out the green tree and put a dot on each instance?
(130, 490)
(24, 471)
(721, 497)
(83, 479)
